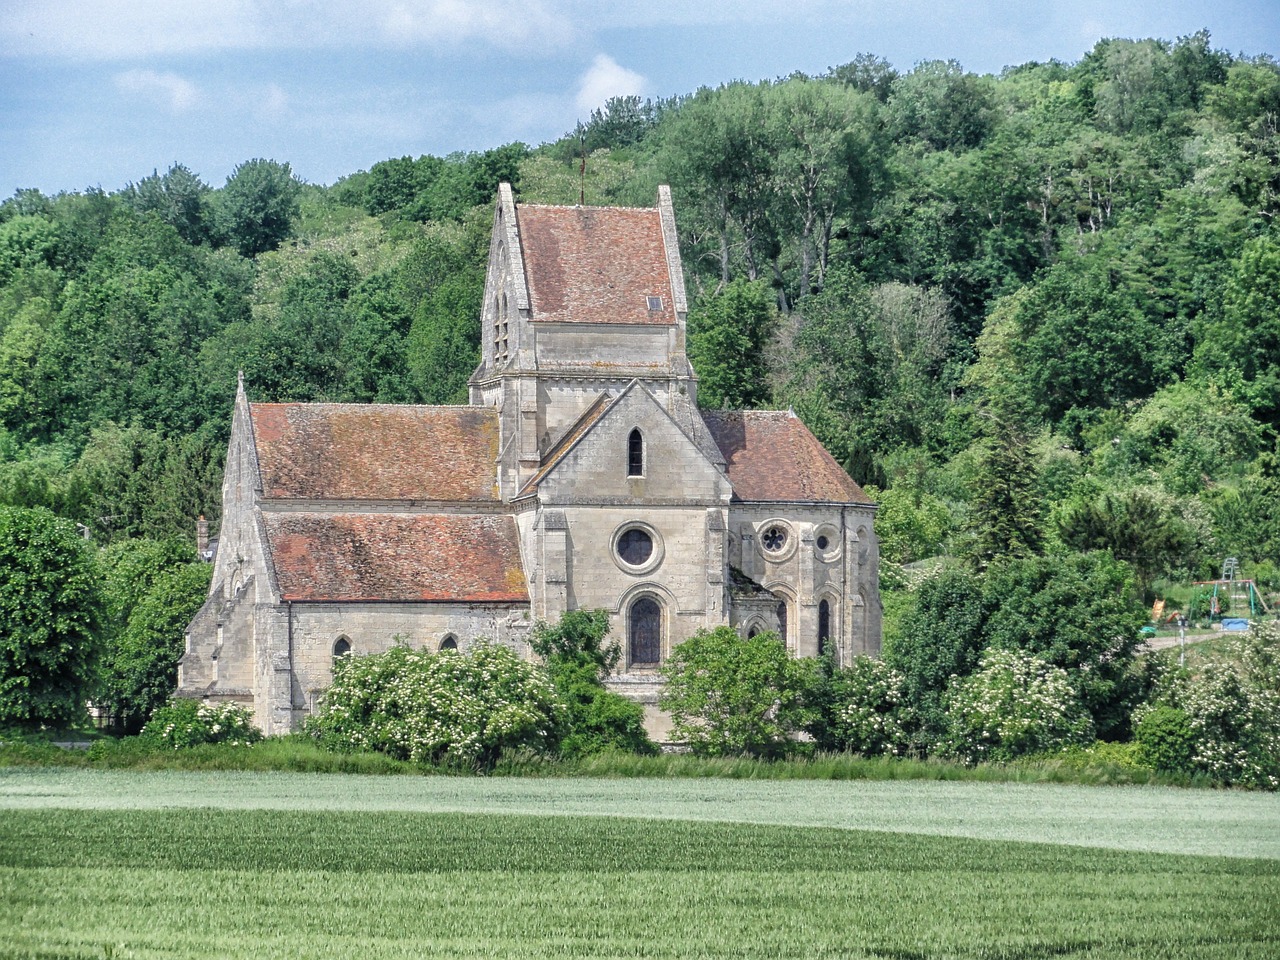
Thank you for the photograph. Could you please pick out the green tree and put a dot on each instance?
(1248, 333)
(1004, 510)
(50, 620)
(258, 206)
(1078, 613)
(179, 198)
(140, 670)
(729, 696)
(941, 639)
(452, 709)
(862, 708)
(579, 660)
(728, 332)
(1132, 525)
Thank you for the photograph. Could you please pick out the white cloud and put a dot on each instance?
(272, 102)
(605, 79)
(124, 29)
(168, 89)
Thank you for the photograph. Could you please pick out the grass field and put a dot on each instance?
(96, 863)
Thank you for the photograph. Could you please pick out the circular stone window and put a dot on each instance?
(774, 539)
(826, 543)
(637, 547)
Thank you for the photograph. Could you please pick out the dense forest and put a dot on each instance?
(1036, 313)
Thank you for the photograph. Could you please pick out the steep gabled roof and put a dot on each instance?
(340, 451)
(396, 557)
(595, 264)
(772, 456)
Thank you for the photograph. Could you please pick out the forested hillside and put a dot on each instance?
(1037, 312)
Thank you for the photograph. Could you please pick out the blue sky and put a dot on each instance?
(102, 92)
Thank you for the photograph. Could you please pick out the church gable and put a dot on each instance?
(630, 452)
(380, 452)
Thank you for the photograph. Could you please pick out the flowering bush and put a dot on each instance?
(1231, 713)
(1015, 704)
(188, 723)
(863, 708)
(446, 708)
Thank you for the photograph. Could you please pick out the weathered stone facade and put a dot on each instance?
(582, 475)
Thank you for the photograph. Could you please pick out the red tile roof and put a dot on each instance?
(772, 456)
(341, 451)
(595, 264)
(406, 557)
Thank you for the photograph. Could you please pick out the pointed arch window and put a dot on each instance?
(635, 454)
(824, 626)
(450, 642)
(645, 633)
(782, 621)
(341, 648)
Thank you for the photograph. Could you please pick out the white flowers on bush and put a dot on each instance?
(876, 718)
(1015, 704)
(1233, 712)
(449, 708)
(188, 723)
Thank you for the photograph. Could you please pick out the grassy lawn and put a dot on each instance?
(98, 863)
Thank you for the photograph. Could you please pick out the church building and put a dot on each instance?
(581, 475)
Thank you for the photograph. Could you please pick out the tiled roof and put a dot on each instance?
(772, 456)
(595, 264)
(341, 451)
(406, 557)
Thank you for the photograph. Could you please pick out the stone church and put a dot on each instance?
(581, 475)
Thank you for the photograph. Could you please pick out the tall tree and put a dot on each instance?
(258, 206)
(728, 332)
(50, 620)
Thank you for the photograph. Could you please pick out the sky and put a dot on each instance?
(99, 93)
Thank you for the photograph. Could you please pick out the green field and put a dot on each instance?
(96, 864)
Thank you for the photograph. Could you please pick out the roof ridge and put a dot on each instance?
(584, 206)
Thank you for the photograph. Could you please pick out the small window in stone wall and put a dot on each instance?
(450, 642)
(824, 626)
(635, 454)
(782, 621)
(341, 648)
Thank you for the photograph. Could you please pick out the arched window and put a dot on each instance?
(341, 648)
(450, 642)
(782, 621)
(646, 632)
(635, 454)
(824, 626)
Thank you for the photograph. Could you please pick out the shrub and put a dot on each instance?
(1015, 704)
(451, 709)
(1232, 714)
(578, 660)
(189, 723)
(1164, 738)
(727, 695)
(862, 708)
